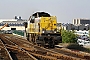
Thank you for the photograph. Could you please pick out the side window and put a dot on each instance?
(32, 19)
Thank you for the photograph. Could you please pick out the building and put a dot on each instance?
(81, 21)
(14, 24)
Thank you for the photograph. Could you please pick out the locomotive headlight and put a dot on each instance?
(43, 31)
(55, 30)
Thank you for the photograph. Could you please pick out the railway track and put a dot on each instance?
(16, 52)
(73, 53)
(4, 53)
(22, 49)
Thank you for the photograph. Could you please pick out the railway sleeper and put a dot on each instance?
(42, 57)
(61, 56)
(23, 52)
(38, 52)
(81, 55)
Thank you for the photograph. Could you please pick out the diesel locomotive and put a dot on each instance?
(42, 29)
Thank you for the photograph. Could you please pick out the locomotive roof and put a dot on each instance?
(41, 14)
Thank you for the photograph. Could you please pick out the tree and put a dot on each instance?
(68, 36)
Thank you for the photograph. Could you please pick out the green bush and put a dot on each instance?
(68, 36)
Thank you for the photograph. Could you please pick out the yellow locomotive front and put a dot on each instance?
(42, 29)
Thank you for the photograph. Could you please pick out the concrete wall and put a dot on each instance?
(17, 28)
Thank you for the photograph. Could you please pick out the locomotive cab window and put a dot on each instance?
(32, 19)
(41, 14)
(54, 24)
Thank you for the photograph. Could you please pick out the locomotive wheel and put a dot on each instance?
(39, 45)
(51, 44)
(43, 44)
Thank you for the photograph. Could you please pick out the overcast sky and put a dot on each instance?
(65, 10)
